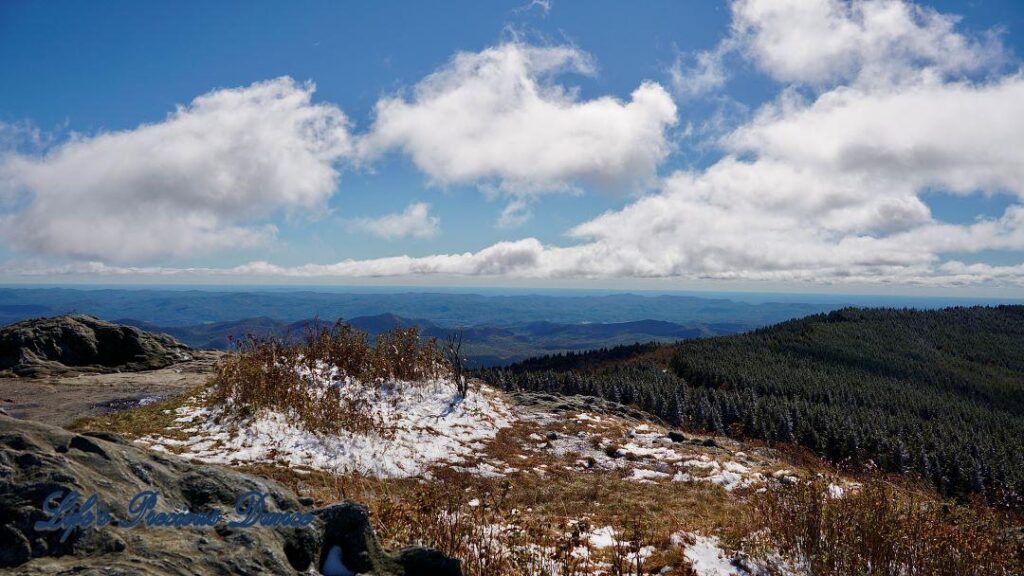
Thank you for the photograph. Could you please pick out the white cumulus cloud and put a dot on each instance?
(704, 72)
(825, 183)
(865, 42)
(825, 189)
(498, 118)
(956, 136)
(828, 43)
(201, 179)
(415, 222)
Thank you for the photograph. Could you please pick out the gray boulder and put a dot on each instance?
(37, 459)
(82, 344)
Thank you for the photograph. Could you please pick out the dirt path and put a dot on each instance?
(62, 400)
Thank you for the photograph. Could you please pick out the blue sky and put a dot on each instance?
(71, 71)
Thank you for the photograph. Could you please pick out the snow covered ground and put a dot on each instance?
(646, 454)
(707, 557)
(427, 423)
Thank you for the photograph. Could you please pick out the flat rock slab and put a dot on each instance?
(61, 400)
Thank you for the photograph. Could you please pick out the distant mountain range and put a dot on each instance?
(485, 345)
(498, 329)
(193, 307)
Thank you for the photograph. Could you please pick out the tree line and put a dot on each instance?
(938, 394)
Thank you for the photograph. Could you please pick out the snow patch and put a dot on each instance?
(429, 423)
(707, 558)
(602, 537)
(641, 475)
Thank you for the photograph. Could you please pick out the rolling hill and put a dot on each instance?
(485, 345)
(162, 307)
(938, 393)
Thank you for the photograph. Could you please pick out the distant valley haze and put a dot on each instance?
(499, 327)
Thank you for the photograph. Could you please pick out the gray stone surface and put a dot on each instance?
(82, 344)
(37, 459)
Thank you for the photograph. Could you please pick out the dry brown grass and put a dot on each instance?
(297, 378)
(532, 522)
(155, 418)
(883, 529)
(525, 524)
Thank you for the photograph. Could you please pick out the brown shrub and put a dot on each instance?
(881, 530)
(498, 537)
(297, 378)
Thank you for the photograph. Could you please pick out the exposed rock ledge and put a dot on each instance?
(83, 344)
(37, 459)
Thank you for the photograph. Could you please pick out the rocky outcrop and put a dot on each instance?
(78, 343)
(559, 403)
(37, 460)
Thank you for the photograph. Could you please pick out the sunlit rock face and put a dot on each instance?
(80, 343)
